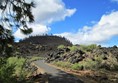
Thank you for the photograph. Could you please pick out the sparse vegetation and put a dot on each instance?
(89, 64)
(10, 69)
(89, 57)
(48, 40)
(88, 47)
(110, 64)
(6, 71)
(60, 47)
(16, 69)
(35, 58)
(84, 65)
(77, 66)
(73, 48)
(63, 64)
(18, 62)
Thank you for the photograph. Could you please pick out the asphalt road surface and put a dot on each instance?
(57, 75)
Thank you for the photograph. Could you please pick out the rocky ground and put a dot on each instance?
(107, 57)
(95, 63)
(39, 45)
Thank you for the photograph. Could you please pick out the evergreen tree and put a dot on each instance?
(13, 14)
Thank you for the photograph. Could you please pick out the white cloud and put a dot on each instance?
(37, 30)
(102, 31)
(46, 12)
(114, 1)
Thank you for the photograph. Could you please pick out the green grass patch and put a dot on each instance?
(89, 64)
(73, 48)
(60, 47)
(77, 66)
(35, 58)
(63, 64)
(88, 47)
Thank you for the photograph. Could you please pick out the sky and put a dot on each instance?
(80, 21)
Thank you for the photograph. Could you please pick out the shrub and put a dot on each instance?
(88, 47)
(34, 58)
(99, 59)
(63, 64)
(6, 71)
(73, 48)
(60, 47)
(89, 64)
(12, 67)
(92, 46)
(19, 62)
(77, 66)
(110, 64)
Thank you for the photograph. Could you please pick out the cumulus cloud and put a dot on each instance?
(46, 12)
(37, 30)
(102, 31)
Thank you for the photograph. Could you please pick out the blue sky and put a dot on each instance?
(80, 21)
(87, 11)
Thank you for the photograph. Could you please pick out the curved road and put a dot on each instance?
(56, 75)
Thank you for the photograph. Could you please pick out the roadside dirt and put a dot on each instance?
(56, 74)
(92, 76)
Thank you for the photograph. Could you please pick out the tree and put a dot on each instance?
(14, 14)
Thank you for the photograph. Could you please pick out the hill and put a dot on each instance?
(40, 45)
(47, 40)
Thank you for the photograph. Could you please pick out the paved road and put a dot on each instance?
(56, 75)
